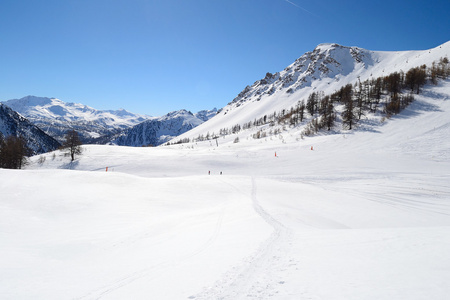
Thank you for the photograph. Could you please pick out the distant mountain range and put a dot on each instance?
(157, 131)
(55, 117)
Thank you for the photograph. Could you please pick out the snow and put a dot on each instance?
(364, 215)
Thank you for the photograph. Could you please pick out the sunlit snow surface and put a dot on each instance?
(364, 215)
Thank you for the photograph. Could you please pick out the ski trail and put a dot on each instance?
(151, 272)
(253, 278)
(277, 226)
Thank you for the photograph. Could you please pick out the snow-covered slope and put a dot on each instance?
(55, 117)
(364, 215)
(157, 131)
(12, 123)
(326, 69)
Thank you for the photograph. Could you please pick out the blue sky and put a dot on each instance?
(156, 56)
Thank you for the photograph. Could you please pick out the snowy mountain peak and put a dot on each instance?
(325, 61)
(33, 101)
(328, 60)
(178, 113)
(32, 106)
(327, 45)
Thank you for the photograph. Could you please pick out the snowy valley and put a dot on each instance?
(341, 214)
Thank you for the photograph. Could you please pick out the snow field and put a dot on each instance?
(344, 245)
(365, 215)
(95, 233)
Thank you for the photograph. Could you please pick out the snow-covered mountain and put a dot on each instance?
(325, 69)
(12, 123)
(55, 117)
(159, 130)
(364, 216)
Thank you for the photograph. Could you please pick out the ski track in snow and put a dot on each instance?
(253, 278)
